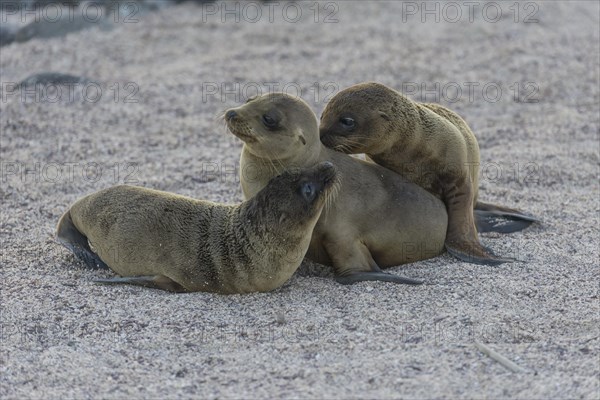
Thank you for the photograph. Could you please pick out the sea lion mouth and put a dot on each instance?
(244, 137)
(241, 130)
(335, 143)
(326, 139)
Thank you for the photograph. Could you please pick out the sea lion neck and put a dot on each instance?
(309, 156)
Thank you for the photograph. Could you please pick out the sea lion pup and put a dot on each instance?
(377, 219)
(429, 145)
(171, 242)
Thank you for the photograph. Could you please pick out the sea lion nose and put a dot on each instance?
(327, 164)
(231, 114)
(327, 169)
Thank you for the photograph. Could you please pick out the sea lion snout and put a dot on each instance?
(326, 138)
(326, 179)
(238, 125)
(230, 114)
(316, 184)
(326, 166)
(328, 173)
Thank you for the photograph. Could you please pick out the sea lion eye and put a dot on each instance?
(347, 123)
(268, 121)
(308, 191)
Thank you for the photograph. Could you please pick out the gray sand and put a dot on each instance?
(64, 337)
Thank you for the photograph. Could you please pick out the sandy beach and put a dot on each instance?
(525, 76)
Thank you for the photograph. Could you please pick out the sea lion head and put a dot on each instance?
(357, 119)
(275, 126)
(294, 200)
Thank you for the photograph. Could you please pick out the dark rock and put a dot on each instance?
(53, 78)
(7, 36)
(194, 1)
(44, 28)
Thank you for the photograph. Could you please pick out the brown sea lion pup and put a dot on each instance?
(429, 145)
(377, 219)
(171, 242)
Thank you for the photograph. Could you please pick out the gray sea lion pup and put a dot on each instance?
(171, 242)
(431, 146)
(377, 219)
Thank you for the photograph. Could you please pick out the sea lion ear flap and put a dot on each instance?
(302, 139)
(384, 116)
(282, 218)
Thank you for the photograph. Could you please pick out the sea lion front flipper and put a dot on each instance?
(462, 240)
(342, 256)
(150, 281)
(494, 218)
(376, 276)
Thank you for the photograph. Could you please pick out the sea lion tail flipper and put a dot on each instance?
(69, 236)
(481, 256)
(494, 218)
(150, 281)
(376, 276)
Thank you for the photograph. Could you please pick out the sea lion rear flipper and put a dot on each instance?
(487, 221)
(150, 281)
(494, 218)
(69, 236)
(477, 257)
(375, 276)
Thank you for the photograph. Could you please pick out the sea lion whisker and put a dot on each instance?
(272, 159)
(333, 195)
(221, 114)
(350, 143)
(272, 164)
(343, 147)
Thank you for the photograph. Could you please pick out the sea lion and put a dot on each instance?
(377, 219)
(171, 242)
(429, 145)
